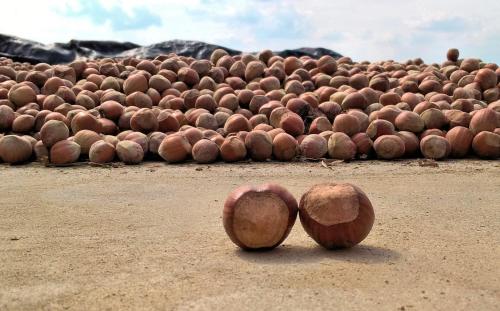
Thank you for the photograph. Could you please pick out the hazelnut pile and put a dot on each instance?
(257, 107)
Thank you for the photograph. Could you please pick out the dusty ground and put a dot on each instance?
(151, 237)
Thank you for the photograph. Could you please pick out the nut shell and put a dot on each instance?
(233, 149)
(285, 147)
(259, 145)
(15, 149)
(174, 148)
(205, 151)
(435, 147)
(341, 147)
(314, 146)
(129, 152)
(486, 145)
(64, 152)
(460, 139)
(336, 215)
(389, 147)
(259, 218)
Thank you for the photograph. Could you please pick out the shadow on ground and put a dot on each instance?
(289, 254)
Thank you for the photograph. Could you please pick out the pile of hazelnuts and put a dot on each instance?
(259, 107)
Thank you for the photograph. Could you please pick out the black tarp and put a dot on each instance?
(58, 53)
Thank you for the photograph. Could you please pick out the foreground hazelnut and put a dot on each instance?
(259, 217)
(336, 215)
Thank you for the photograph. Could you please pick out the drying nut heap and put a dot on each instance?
(258, 107)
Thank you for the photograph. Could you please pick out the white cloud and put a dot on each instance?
(396, 29)
(364, 29)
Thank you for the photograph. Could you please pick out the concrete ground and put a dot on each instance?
(151, 237)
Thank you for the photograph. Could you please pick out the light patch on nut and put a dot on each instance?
(260, 219)
(334, 204)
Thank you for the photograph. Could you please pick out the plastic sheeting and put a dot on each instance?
(58, 53)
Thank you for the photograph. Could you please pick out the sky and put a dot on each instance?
(363, 29)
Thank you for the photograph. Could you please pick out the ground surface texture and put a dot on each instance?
(151, 237)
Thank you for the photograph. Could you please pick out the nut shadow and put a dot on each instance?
(291, 254)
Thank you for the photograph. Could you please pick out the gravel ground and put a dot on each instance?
(151, 237)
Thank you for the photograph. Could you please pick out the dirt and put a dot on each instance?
(151, 237)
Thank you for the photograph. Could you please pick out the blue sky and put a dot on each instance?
(363, 29)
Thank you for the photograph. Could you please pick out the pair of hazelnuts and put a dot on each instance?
(335, 215)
